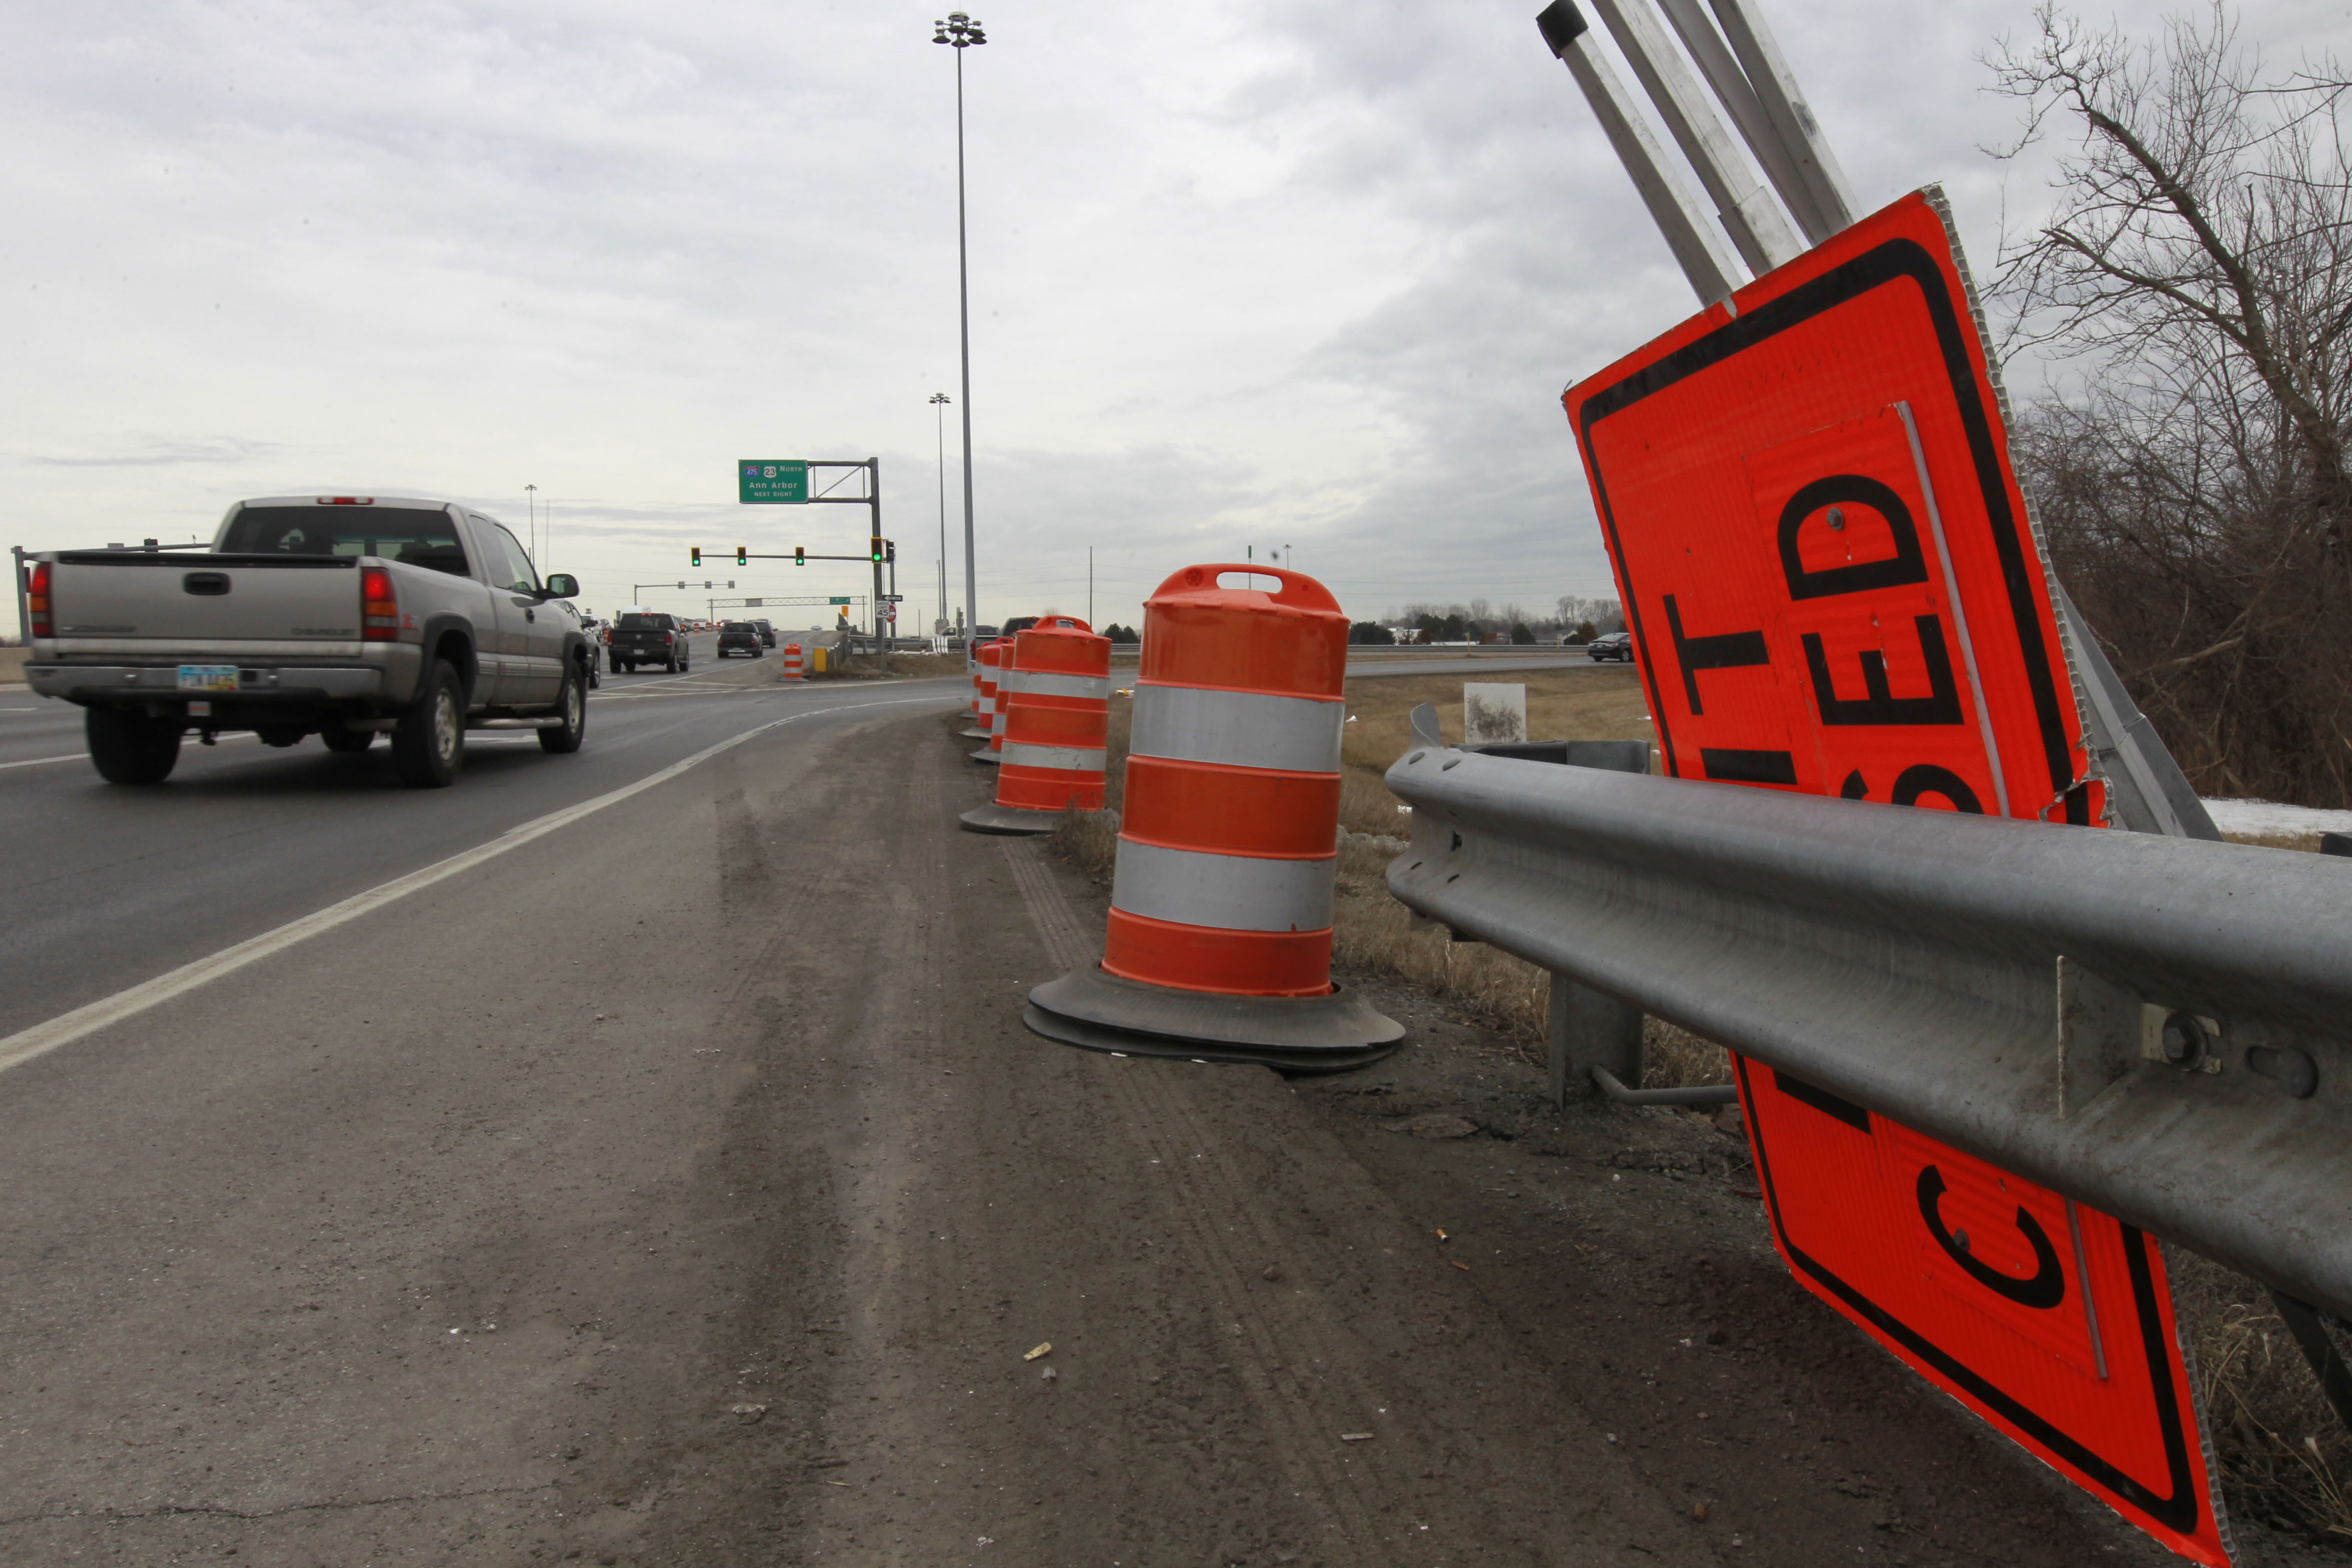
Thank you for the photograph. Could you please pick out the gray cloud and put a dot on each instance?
(1242, 275)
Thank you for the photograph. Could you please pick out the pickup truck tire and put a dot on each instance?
(338, 739)
(429, 747)
(130, 748)
(572, 708)
(671, 667)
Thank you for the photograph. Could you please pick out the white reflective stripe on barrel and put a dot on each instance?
(1053, 683)
(1069, 759)
(1228, 892)
(1241, 729)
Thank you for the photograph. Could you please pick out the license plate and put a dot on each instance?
(208, 677)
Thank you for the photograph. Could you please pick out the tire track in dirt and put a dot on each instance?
(1204, 1207)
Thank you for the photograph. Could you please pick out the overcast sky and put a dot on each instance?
(1296, 273)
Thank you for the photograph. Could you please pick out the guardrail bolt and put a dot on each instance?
(2186, 1043)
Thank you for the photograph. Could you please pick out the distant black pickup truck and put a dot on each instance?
(740, 636)
(648, 636)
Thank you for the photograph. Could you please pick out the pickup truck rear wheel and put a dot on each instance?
(572, 709)
(672, 664)
(130, 748)
(429, 747)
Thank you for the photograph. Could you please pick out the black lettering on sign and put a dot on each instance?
(2046, 1289)
(1907, 564)
(1881, 706)
(1823, 1101)
(1927, 778)
(1747, 767)
(1725, 650)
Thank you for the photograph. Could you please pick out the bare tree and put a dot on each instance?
(2198, 259)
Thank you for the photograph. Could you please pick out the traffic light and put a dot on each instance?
(742, 556)
(800, 555)
(694, 556)
(890, 551)
(876, 541)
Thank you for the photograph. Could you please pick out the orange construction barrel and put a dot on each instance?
(980, 697)
(1219, 943)
(1056, 694)
(792, 670)
(991, 676)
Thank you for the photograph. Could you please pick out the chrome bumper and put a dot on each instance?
(103, 682)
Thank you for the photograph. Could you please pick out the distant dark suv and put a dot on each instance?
(648, 636)
(767, 633)
(740, 636)
(1612, 645)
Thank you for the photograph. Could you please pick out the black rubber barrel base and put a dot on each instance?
(1011, 819)
(1099, 1012)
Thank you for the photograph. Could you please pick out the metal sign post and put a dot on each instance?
(784, 481)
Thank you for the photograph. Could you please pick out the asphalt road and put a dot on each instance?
(678, 1186)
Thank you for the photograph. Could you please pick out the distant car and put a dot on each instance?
(767, 634)
(740, 636)
(1618, 646)
(649, 637)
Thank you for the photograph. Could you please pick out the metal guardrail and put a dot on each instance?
(2160, 1028)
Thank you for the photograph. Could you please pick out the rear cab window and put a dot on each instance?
(410, 535)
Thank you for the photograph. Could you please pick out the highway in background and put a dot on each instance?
(107, 885)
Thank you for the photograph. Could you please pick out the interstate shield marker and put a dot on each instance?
(1828, 564)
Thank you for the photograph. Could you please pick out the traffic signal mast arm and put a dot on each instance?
(747, 556)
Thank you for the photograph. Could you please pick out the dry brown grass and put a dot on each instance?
(866, 666)
(2306, 842)
(1562, 705)
(2285, 1458)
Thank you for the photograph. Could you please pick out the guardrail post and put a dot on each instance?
(1588, 1028)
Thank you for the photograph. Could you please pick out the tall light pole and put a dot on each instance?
(961, 32)
(940, 423)
(530, 502)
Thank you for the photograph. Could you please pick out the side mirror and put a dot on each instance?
(561, 585)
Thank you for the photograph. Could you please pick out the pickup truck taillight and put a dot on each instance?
(37, 601)
(379, 605)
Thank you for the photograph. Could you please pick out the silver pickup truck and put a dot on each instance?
(342, 616)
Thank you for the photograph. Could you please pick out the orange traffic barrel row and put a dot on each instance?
(983, 689)
(1007, 649)
(792, 670)
(1219, 941)
(991, 687)
(1056, 696)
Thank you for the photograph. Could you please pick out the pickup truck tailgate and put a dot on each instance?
(116, 598)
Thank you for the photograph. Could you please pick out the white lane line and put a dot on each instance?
(66, 1028)
(84, 756)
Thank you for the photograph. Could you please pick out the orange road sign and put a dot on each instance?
(1835, 589)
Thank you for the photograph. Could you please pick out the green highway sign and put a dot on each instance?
(771, 481)
(837, 600)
